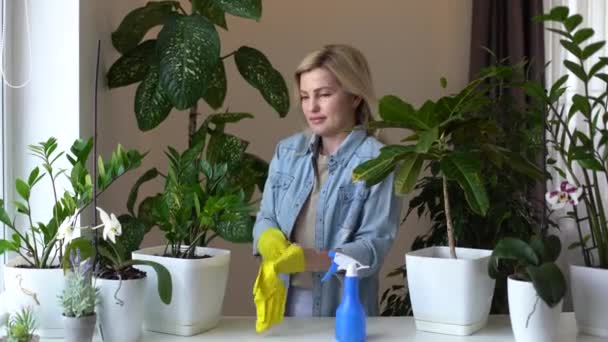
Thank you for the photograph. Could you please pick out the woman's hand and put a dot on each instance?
(316, 261)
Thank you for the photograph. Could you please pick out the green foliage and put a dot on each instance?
(202, 197)
(67, 205)
(79, 295)
(511, 213)
(576, 128)
(183, 63)
(21, 326)
(458, 136)
(534, 262)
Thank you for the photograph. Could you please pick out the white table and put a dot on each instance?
(378, 329)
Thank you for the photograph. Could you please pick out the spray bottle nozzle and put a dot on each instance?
(342, 262)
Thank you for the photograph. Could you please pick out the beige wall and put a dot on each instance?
(409, 44)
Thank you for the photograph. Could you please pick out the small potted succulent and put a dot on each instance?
(21, 326)
(536, 285)
(78, 301)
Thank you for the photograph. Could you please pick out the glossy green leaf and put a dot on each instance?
(426, 139)
(582, 35)
(591, 49)
(151, 104)
(212, 11)
(259, 73)
(238, 228)
(408, 173)
(572, 48)
(464, 168)
(133, 66)
(576, 69)
(216, 90)
(549, 282)
(23, 189)
(133, 232)
(225, 148)
(393, 109)
(524, 166)
(165, 283)
(375, 170)
(251, 9)
(7, 246)
(146, 177)
(139, 21)
(189, 49)
(515, 249)
(572, 22)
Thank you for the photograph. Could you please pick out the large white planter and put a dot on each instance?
(449, 296)
(39, 289)
(532, 320)
(198, 291)
(120, 320)
(590, 299)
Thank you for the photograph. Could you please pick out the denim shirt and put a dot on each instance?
(358, 221)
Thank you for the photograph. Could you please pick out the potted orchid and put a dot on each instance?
(576, 105)
(122, 286)
(38, 241)
(536, 285)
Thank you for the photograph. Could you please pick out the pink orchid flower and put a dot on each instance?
(567, 193)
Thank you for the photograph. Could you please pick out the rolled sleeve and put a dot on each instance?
(379, 223)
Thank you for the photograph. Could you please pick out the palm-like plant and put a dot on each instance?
(437, 130)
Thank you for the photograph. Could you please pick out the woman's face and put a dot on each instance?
(328, 109)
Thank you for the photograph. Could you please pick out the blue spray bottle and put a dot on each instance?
(350, 316)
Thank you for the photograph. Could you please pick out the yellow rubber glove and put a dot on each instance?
(269, 293)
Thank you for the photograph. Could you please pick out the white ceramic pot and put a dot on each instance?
(79, 329)
(198, 291)
(449, 296)
(120, 314)
(38, 289)
(532, 320)
(589, 296)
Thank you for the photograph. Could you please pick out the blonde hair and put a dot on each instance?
(350, 68)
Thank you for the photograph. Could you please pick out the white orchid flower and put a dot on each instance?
(567, 193)
(66, 230)
(111, 225)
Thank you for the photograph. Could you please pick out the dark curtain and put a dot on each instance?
(506, 28)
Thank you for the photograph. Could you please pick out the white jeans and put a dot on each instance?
(299, 302)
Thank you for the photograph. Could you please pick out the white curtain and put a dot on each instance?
(594, 15)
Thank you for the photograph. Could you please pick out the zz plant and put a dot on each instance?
(38, 243)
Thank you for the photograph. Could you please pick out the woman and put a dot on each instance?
(309, 194)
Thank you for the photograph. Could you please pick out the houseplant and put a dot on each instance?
(577, 136)
(436, 126)
(21, 326)
(167, 83)
(532, 276)
(512, 213)
(121, 285)
(78, 300)
(35, 274)
(200, 201)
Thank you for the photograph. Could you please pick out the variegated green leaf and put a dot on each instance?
(133, 66)
(151, 105)
(188, 48)
(136, 24)
(259, 73)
